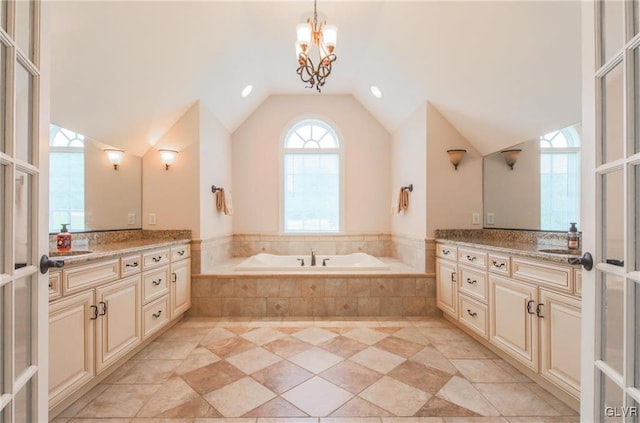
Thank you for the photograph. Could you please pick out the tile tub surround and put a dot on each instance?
(418, 253)
(207, 254)
(353, 370)
(323, 295)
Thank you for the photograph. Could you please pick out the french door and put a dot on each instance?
(23, 290)
(611, 300)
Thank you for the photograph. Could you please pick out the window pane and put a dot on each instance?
(24, 110)
(24, 26)
(23, 320)
(312, 193)
(611, 400)
(636, 17)
(23, 404)
(612, 115)
(613, 215)
(612, 28)
(3, 179)
(23, 219)
(3, 342)
(612, 320)
(636, 340)
(3, 22)
(559, 189)
(636, 105)
(636, 181)
(3, 76)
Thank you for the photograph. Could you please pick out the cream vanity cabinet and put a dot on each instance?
(107, 308)
(526, 308)
(446, 272)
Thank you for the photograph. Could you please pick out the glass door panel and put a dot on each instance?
(613, 217)
(612, 331)
(23, 405)
(613, 109)
(612, 28)
(23, 206)
(3, 61)
(24, 27)
(3, 178)
(24, 109)
(612, 400)
(23, 324)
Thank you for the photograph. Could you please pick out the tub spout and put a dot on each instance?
(313, 257)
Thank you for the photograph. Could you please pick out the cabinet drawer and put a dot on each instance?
(78, 278)
(131, 264)
(446, 251)
(499, 264)
(154, 316)
(55, 290)
(472, 257)
(180, 252)
(474, 315)
(155, 284)
(557, 276)
(155, 258)
(577, 282)
(473, 283)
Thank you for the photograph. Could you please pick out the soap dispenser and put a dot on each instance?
(63, 239)
(573, 239)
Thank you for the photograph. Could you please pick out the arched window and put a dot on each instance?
(66, 179)
(559, 179)
(311, 178)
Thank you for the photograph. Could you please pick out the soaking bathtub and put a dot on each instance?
(355, 261)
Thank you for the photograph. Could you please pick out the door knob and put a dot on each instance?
(586, 261)
(46, 263)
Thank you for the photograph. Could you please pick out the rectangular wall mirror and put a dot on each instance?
(542, 191)
(86, 191)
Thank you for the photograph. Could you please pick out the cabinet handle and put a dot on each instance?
(94, 310)
(104, 308)
(174, 277)
(498, 265)
(539, 310)
(471, 282)
(158, 282)
(453, 276)
(471, 258)
(50, 286)
(472, 313)
(134, 264)
(446, 252)
(156, 315)
(529, 304)
(156, 259)
(181, 253)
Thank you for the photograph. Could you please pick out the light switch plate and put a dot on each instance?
(152, 218)
(131, 218)
(491, 218)
(475, 220)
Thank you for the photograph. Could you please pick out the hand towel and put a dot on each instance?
(403, 200)
(221, 202)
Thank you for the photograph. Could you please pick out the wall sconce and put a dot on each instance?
(115, 156)
(456, 156)
(511, 156)
(168, 157)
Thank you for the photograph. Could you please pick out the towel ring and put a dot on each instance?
(215, 188)
(408, 188)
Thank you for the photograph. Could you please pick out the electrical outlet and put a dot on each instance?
(131, 218)
(152, 218)
(491, 218)
(475, 218)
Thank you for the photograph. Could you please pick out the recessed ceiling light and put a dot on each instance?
(246, 91)
(376, 91)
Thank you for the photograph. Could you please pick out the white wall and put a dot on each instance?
(174, 195)
(408, 166)
(110, 195)
(256, 162)
(215, 169)
(452, 196)
(513, 196)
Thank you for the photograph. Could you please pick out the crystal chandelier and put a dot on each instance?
(322, 36)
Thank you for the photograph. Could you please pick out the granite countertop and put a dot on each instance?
(519, 248)
(111, 249)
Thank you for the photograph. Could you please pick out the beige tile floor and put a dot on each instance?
(414, 370)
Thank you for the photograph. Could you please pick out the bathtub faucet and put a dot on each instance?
(313, 257)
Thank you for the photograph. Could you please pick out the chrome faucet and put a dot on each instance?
(313, 257)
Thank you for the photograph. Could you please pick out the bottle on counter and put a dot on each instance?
(63, 239)
(573, 239)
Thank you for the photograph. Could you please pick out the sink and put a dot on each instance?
(561, 251)
(68, 253)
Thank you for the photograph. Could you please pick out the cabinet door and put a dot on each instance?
(180, 287)
(560, 340)
(447, 291)
(71, 338)
(511, 326)
(119, 325)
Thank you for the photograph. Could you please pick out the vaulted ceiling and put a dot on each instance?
(500, 71)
